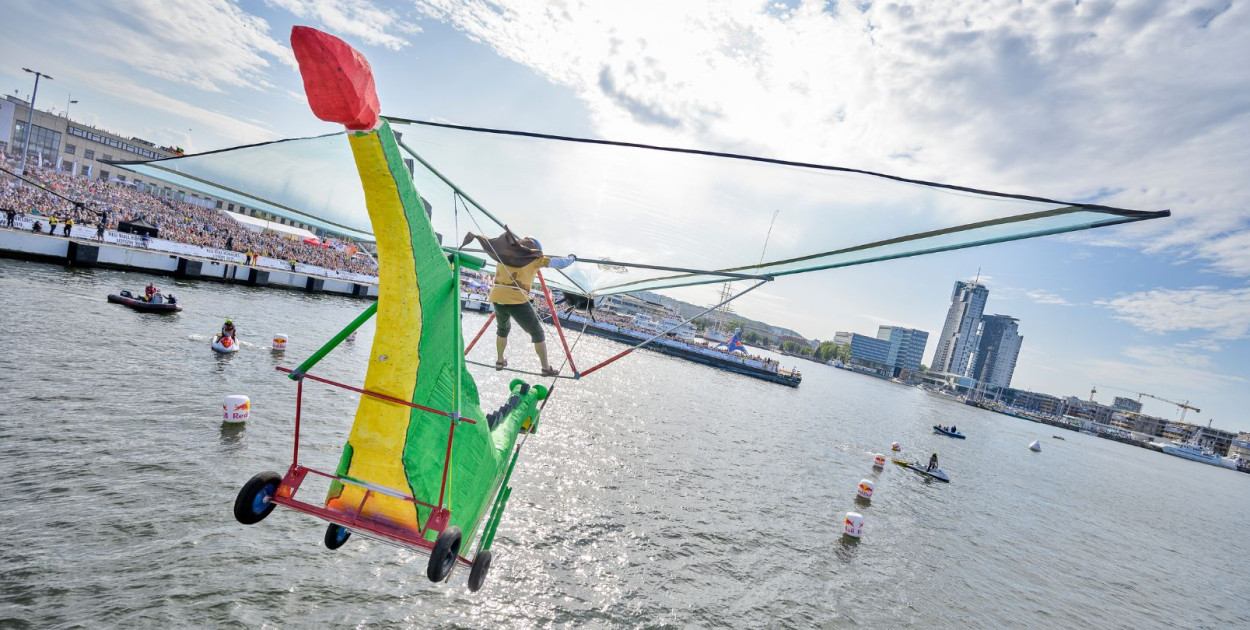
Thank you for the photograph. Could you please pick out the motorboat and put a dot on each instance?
(158, 303)
(947, 432)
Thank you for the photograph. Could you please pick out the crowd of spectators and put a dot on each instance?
(108, 203)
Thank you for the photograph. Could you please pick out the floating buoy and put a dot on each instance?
(1036, 447)
(854, 524)
(279, 342)
(865, 488)
(351, 337)
(237, 408)
(878, 461)
(895, 447)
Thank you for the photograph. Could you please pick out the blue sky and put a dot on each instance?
(1137, 104)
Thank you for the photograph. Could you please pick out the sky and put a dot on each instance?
(1142, 105)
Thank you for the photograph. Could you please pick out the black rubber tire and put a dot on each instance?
(252, 496)
(336, 535)
(443, 556)
(477, 574)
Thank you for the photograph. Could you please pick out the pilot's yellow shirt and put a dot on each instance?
(512, 284)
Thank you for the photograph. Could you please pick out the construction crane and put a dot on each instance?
(1184, 407)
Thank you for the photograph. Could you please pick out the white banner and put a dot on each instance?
(134, 241)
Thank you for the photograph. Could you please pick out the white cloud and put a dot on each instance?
(1224, 314)
(1140, 104)
(355, 18)
(1045, 297)
(1168, 370)
(238, 130)
(209, 44)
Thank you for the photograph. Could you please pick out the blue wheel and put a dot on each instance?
(336, 535)
(254, 501)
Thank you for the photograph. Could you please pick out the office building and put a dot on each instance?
(895, 352)
(958, 341)
(998, 348)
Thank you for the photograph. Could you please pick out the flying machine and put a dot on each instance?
(424, 466)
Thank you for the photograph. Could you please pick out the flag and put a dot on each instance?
(733, 345)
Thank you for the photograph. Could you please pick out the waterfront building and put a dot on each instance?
(80, 149)
(1127, 404)
(1137, 422)
(1219, 440)
(906, 347)
(958, 340)
(1088, 410)
(870, 353)
(842, 338)
(997, 350)
(895, 352)
(1034, 401)
(69, 146)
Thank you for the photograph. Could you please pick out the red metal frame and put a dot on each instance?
(555, 319)
(295, 475)
(479, 334)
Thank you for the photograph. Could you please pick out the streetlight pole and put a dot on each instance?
(68, 102)
(30, 117)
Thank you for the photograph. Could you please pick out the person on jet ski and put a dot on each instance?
(227, 329)
(933, 463)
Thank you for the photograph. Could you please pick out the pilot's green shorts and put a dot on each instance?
(524, 315)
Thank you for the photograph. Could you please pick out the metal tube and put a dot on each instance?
(317, 356)
(30, 117)
(555, 319)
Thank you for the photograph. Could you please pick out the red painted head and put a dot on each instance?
(337, 79)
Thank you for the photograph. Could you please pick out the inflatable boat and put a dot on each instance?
(159, 303)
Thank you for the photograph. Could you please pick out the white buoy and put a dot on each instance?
(895, 447)
(854, 524)
(866, 488)
(1036, 447)
(279, 341)
(351, 337)
(878, 461)
(236, 408)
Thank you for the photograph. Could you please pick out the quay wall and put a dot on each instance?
(157, 256)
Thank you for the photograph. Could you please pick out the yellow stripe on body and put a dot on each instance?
(381, 427)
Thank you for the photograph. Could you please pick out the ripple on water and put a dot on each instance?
(657, 494)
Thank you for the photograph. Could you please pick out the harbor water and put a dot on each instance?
(657, 493)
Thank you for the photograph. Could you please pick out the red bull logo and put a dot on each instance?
(236, 409)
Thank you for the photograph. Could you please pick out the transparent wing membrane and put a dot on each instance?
(616, 203)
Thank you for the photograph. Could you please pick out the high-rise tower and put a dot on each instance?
(959, 334)
(997, 351)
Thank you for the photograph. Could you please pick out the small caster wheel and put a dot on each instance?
(253, 503)
(336, 535)
(443, 556)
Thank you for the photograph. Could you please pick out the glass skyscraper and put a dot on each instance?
(997, 351)
(959, 339)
